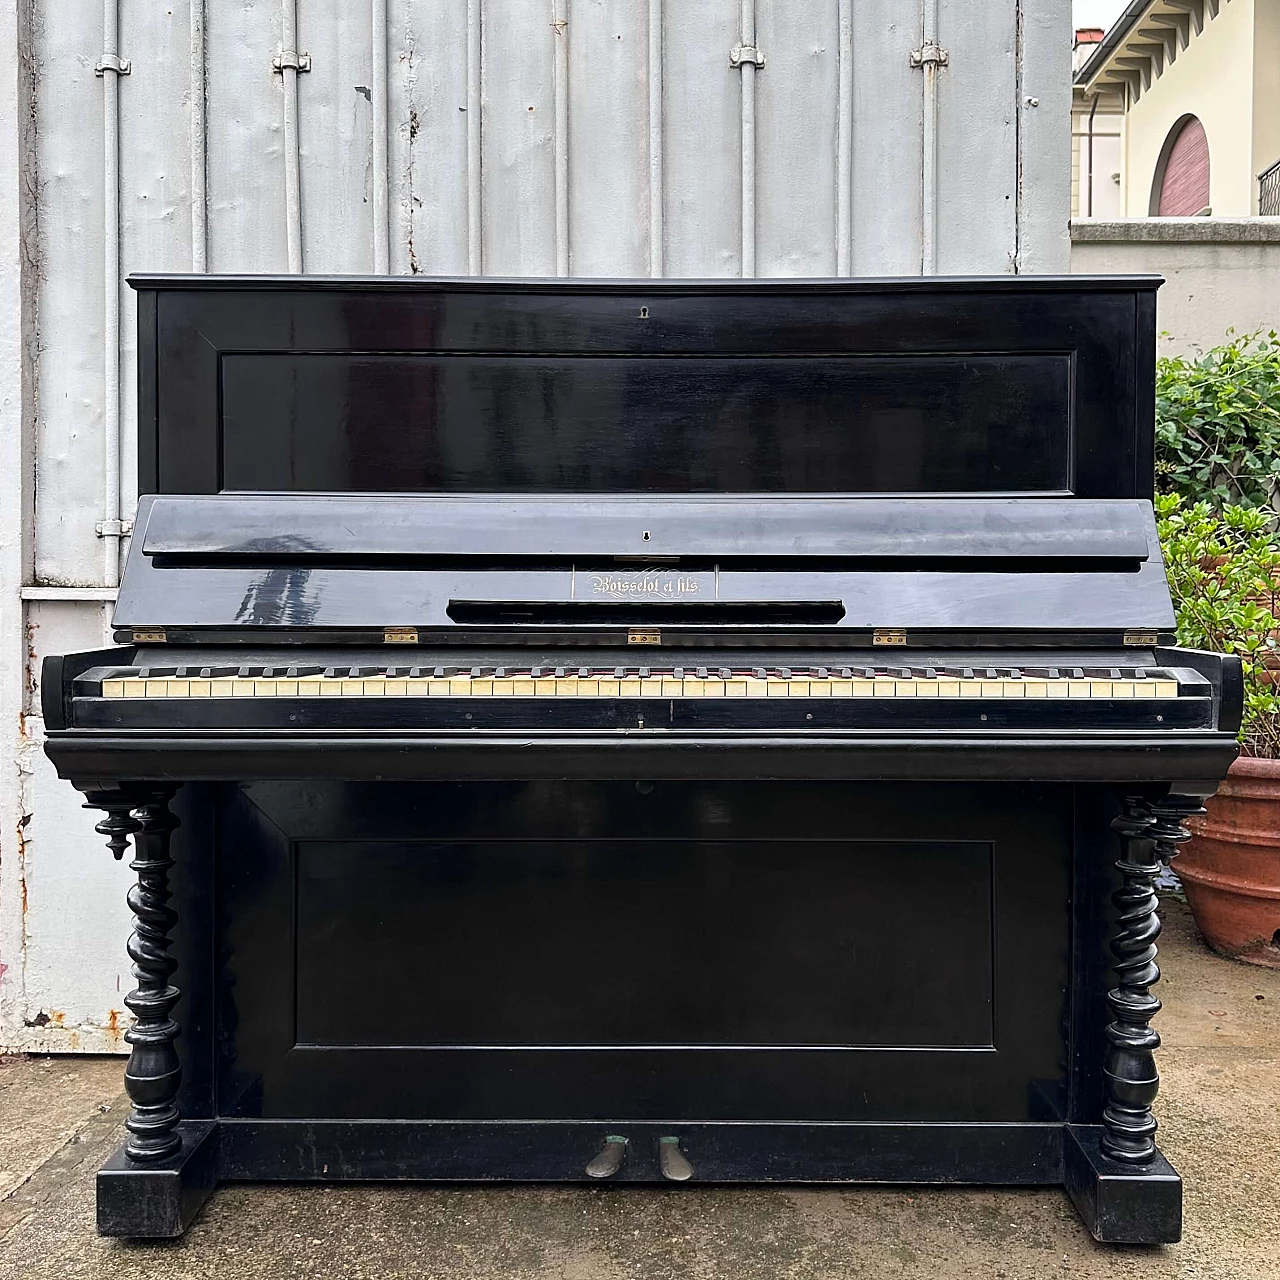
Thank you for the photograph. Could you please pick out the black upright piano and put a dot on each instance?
(644, 731)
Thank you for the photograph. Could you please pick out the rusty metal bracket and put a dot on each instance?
(745, 54)
(291, 59)
(930, 54)
(114, 63)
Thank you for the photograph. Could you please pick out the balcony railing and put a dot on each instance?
(1269, 191)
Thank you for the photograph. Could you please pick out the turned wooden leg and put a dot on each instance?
(1151, 834)
(153, 1072)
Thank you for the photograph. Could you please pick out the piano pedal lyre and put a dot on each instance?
(672, 1162)
(609, 1159)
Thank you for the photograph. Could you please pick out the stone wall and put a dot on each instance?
(1220, 273)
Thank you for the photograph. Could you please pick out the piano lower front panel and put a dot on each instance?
(632, 951)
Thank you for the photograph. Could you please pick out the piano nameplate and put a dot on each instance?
(645, 585)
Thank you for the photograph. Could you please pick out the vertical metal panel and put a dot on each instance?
(427, 116)
(518, 139)
(608, 138)
(888, 138)
(657, 187)
(796, 146)
(245, 154)
(700, 139)
(71, 219)
(335, 135)
(155, 181)
(1044, 137)
(977, 138)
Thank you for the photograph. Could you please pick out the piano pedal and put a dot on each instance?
(672, 1162)
(609, 1159)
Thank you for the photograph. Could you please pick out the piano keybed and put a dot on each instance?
(892, 681)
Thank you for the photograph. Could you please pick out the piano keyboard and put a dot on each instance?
(638, 682)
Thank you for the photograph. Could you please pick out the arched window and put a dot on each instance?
(1181, 186)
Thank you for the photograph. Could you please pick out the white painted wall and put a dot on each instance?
(1220, 273)
(523, 137)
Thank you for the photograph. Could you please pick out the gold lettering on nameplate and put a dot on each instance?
(644, 584)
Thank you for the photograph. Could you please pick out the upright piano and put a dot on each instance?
(642, 731)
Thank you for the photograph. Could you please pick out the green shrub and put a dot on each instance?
(1224, 574)
(1218, 423)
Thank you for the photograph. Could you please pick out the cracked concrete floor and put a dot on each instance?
(1220, 1125)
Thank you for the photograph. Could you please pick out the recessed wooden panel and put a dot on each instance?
(754, 942)
(854, 424)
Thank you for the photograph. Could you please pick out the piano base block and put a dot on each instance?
(1121, 1203)
(159, 1201)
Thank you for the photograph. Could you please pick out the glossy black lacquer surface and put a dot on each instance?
(575, 938)
(946, 386)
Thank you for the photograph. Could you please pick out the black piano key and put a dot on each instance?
(291, 673)
(931, 673)
(725, 673)
(245, 672)
(1115, 673)
(785, 672)
(1053, 674)
(869, 673)
(678, 673)
(644, 673)
(475, 673)
(583, 672)
(967, 673)
(1077, 673)
(822, 673)
(206, 673)
(500, 673)
(702, 673)
(991, 674)
(758, 672)
(619, 673)
(439, 673)
(846, 673)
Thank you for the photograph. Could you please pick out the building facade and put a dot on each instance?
(1177, 110)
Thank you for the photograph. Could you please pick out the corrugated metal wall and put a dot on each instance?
(522, 137)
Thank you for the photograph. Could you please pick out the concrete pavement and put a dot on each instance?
(1219, 1111)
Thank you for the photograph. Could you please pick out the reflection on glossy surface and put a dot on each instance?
(565, 424)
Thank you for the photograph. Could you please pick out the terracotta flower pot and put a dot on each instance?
(1231, 867)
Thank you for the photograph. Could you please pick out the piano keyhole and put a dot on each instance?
(644, 313)
(645, 536)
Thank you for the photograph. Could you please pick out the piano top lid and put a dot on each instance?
(260, 528)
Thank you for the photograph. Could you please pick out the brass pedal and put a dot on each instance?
(609, 1159)
(672, 1161)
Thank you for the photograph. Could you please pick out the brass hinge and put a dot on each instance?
(889, 635)
(143, 636)
(1143, 639)
(399, 635)
(644, 637)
